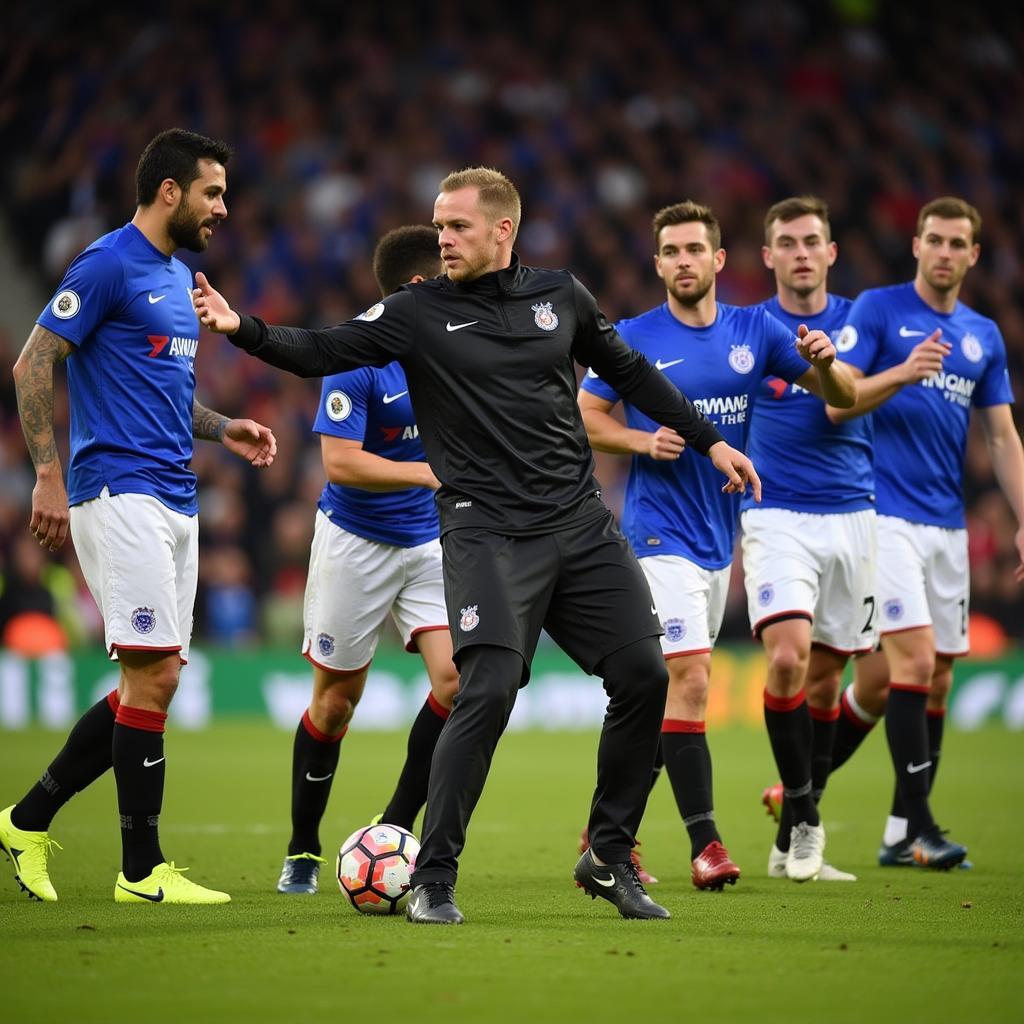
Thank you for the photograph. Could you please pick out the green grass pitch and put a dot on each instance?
(901, 944)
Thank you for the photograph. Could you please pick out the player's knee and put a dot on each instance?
(938, 693)
(823, 690)
(333, 706)
(444, 686)
(916, 667)
(690, 684)
(787, 666)
(638, 669)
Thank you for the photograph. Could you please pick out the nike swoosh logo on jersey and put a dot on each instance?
(321, 778)
(606, 883)
(906, 332)
(154, 299)
(913, 769)
(664, 366)
(158, 898)
(388, 399)
(458, 327)
(146, 763)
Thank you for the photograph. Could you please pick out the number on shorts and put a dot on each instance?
(869, 603)
(963, 615)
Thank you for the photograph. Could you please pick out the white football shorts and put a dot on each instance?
(352, 585)
(924, 580)
(690, 602)
(814, 565)
(141, 562)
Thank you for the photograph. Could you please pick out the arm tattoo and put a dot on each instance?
(33, 382)
(207, 425)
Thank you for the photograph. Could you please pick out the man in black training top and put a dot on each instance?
(488, 353)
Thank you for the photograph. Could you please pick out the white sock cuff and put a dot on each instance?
(851, 702)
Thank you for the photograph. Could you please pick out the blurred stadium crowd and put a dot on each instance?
(344, 119)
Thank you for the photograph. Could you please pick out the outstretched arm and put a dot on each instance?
(33, 382)
(1007, 454)
(607, 434)
(246, 438)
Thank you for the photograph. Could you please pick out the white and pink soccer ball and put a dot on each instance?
(374, 865)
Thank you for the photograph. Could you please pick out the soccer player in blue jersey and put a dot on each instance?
(375, 550)
(809, 547)
(920, 433)
(676, 517)
(123, 320)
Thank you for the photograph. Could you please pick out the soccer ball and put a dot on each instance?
(374, 865)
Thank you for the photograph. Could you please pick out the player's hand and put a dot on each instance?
(816, 347)
(925, 359)
(251, 441)
(738, 469)
(50, 519)
(212, 308)
(664, 445)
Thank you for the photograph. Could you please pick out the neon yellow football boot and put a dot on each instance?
(28, 852)
(166, 883)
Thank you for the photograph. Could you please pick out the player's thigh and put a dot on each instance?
(128, 546)
(419, 604)
(947, 584)
(690, 601)
(781, 565)
(902, 563)
(351, 586)
(602, 601)
(186, 566)
(845, 618)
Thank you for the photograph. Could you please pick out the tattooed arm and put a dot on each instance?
(33, 382)
(246, 438)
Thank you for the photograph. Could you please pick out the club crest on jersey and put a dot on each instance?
(325, 644)
(893, 609)
(765, 594)
(971, 347)
(375, 312)
(543, 317)
(741, 359)
(675, 630)
(143, 620)
(338, 406)
(67, 304)
(469, 619)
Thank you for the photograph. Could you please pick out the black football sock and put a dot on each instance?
(314, 761)
(138, 756)
(823, 734)
(684, 746)
(789, 731)
(936, 722)
(411, 792)
(659, 765)
(85, 756)
(907, 733)
(852, 728)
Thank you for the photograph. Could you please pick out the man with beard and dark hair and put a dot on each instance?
(123, 320)
(680, 524)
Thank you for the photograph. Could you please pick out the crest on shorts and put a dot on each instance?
(543, 317)
(765, 594)
(893, 609)
(675, 630)
(143, 620)
(468, 618)
(971, 347)
(325, 644)
(741, 359)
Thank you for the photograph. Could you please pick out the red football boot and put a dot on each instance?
(713, 869)
(646, 878)
(771, 797)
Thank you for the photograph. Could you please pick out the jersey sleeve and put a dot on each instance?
(92, 288)
(783, 360)
(344, 399)
(377, 337)
(861, 336)
(593, 384)
(994, 387)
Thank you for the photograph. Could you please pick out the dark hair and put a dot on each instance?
(404, 253)
(175, 154)
(950, 208)
(797, 206)
(687, 213)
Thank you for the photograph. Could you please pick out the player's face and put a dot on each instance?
(200, 208)
(800, 253)
(469, 238)
(686, 262)
(945, 252)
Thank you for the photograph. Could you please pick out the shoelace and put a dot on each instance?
(48, 845)
(307, 856)
(634, 873)
(439, 893)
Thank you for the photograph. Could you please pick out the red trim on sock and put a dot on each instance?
(852, 715)
(413, 648)
(114, 700)
(935, 712)
(320, 737)
(825, 714)
(773, 703)
(909, 687)
(437, 707)
(681, 725)
(140, 718)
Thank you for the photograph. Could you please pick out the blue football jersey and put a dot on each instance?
(127, 309)
(920, 433)
(677, 507)
(806, 462)
(372, 406)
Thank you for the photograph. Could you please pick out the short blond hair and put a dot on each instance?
(498, 196)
